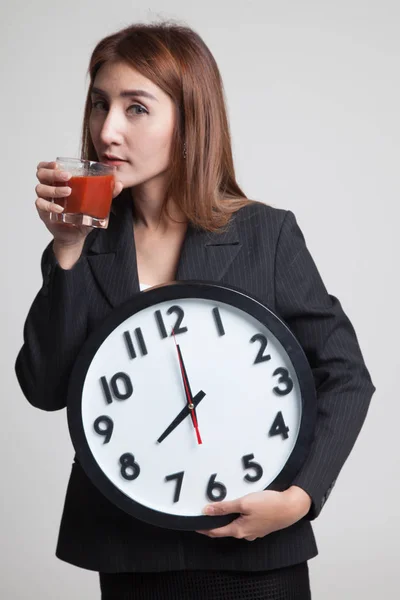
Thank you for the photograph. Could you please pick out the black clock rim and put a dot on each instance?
(172, 291)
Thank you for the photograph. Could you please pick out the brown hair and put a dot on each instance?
(174, 57)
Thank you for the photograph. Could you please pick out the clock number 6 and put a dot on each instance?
(113, 389)
(129, 468)
(216, 491)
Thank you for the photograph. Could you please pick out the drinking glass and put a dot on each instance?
(92, 185)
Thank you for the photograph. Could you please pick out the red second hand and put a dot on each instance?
(192, 413)
(188, 396)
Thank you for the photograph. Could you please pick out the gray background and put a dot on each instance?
(313, 96)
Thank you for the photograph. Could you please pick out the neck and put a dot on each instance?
(149, 210)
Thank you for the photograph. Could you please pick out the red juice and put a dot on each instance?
(89, 195)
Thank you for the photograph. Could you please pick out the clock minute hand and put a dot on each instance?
(182, 415)
(188, 391)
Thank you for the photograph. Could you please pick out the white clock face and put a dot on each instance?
(244, 388)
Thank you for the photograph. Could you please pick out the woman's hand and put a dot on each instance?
(68, 238)
(261, 513)
(53, 184)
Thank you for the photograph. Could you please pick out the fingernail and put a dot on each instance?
(58, 208)
(65, 176)
(209, 510)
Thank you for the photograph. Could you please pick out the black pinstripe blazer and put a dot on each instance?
(264, 253)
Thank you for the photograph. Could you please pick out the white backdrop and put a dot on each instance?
(313, 96)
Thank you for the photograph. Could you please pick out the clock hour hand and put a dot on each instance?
(182, 415)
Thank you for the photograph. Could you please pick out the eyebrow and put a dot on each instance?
(127, 93)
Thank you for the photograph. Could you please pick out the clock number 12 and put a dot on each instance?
(177, 328)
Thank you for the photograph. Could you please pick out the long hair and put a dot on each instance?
(202, 178)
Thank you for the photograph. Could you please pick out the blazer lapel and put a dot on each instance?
(111, 255)
(207, 256)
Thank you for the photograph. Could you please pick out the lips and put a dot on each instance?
(111, 159)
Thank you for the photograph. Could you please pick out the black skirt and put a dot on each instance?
(289, 583)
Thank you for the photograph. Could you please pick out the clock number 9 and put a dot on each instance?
(107, 431)
(129, 468)
(284, 379)
(113, 389)
(216, 491)
(261, 357)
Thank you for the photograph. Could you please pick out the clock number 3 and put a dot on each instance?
(285, 380)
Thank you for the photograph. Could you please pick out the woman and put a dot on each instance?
(155, 110)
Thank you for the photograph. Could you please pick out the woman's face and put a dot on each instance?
(131, 124)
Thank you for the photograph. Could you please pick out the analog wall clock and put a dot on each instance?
(190, 393)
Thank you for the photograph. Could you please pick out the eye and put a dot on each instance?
(98, 105)
(137, 109)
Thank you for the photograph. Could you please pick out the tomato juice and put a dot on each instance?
(90, 195)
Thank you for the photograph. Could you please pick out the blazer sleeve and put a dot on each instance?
(343, 384)
(54, 331)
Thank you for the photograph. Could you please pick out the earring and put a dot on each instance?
(184, 151)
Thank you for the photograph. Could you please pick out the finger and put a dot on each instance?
(117, 189)
(224, 508)
(50, 191)
(45, 206)
(47, 165)
(230, 530)
(51, 176)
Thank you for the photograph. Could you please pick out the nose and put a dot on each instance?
(112, 130)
